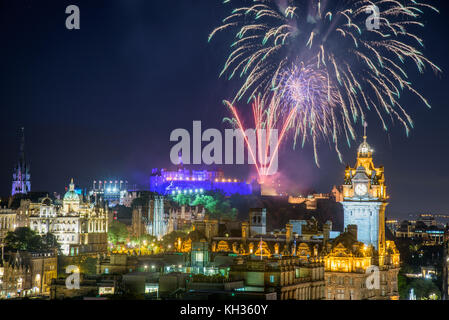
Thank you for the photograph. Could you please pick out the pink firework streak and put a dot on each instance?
(268, 119)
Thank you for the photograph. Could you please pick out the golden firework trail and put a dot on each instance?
(327, 62)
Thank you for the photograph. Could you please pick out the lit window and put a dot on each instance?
(272, 279)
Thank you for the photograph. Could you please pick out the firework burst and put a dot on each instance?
(325, 62)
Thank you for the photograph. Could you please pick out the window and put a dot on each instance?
(340, 294)
(271, 278)
(106, 270)
(199, 257)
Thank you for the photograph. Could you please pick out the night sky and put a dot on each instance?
(101, 102)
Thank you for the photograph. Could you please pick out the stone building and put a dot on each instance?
(8, 222)
(116, 264)
(139, 222)
(182, 217)
(365, 198)
(292, 278)
(446, 272)
(79, 226)
(267, 263)
(361, 263)
(149, 217)
(27, 273)
(355, 271)
(89, 286)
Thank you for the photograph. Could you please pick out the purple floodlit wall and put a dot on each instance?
(184, 181)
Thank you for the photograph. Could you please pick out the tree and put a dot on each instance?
(196, 235)
(215, 203)
(424, 289)
(118, 232)
(172, 237)
(50, 241)
(402, 286)
(25, 239)
(89, 266)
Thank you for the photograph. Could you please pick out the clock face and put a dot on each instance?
(361, 189)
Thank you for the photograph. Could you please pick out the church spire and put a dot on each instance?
(22, 145)
(21, 176)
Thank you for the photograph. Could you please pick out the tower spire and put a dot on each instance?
(22, 145)
(21, 176)
(365, 125)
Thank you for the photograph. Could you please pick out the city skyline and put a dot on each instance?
(239, 152)
(91, 116)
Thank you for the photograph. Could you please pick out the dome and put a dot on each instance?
(365, 149)
(71, 195)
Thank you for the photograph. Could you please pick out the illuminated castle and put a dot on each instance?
(196, 181)
(21, 183)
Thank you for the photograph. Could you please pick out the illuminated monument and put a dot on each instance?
(352, 257)
(365, 198)
(184, 181)
(21, 183)
(79, 226)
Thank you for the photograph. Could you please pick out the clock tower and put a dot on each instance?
(365, 198)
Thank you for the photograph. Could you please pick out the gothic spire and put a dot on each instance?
(21, 176)
(22, 145)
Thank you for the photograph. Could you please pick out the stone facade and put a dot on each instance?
(349, 265)
(360, 263)
(365, 198)
(290, 277)
(8, 222)
(79, 226)
(27, 274)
